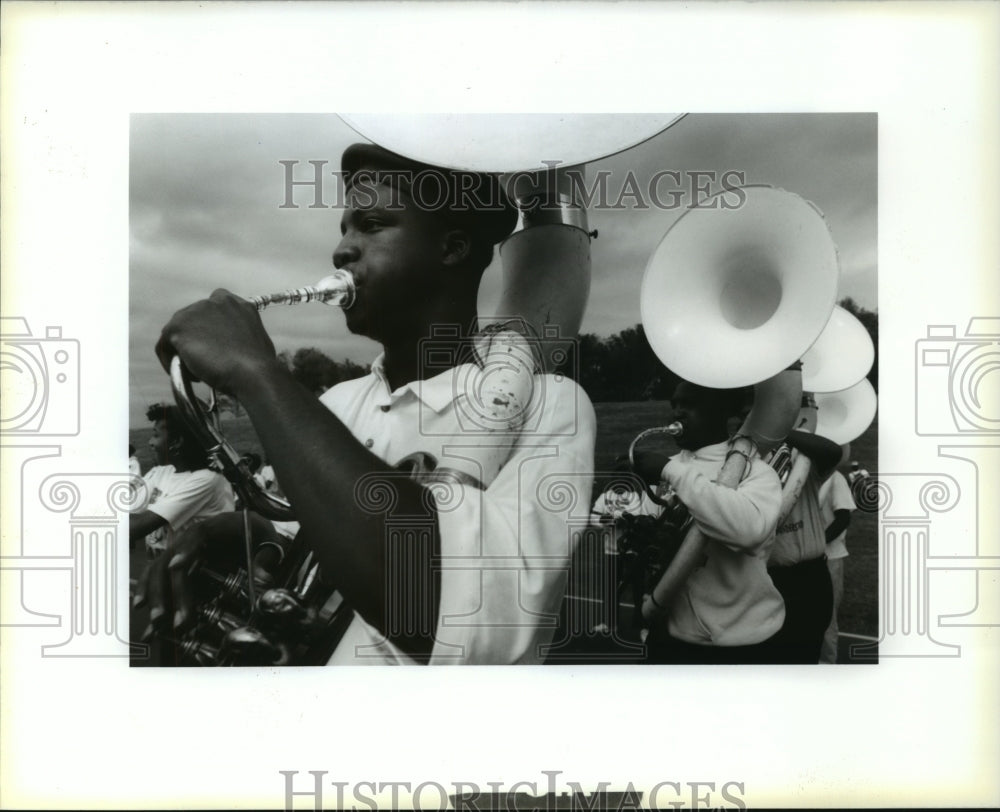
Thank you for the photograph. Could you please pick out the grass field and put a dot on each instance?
(618, 424)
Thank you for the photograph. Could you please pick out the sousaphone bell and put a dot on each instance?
(732, 297)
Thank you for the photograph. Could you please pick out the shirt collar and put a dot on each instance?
(437, 392)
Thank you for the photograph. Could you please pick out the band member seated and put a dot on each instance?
(623, 498)
(797, 562)
(473, 568)
(180, 488)
(728, 611)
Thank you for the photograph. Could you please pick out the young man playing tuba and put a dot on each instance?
(728, 611)
(471, 569)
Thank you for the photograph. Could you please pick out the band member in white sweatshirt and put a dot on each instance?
(728, 610)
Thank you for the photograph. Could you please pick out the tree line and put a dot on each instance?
(623, 367)
(317, 372)
(618, 368)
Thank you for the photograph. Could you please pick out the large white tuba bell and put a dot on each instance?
(732, 297)
(839, 359)
(846, 415)
(546, 261)
(516, 142)
(841, 356)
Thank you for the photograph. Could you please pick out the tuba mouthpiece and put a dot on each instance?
(337, 290)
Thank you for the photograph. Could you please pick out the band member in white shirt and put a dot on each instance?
(472, 569)
(180, 488)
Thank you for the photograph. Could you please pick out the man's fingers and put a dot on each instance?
(164, 350)
(210, 334)
(157, 593)
(140, 590)
(166, 347)
(649, 610)
(183, 610)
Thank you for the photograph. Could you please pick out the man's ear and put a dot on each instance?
(457, 245)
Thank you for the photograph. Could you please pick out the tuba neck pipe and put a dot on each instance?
(675, 429)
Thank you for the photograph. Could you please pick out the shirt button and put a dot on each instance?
(384, 408)
(369, 442)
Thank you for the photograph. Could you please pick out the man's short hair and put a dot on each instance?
(474, 202)
(177, 428)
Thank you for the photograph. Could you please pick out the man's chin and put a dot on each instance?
(690, 442)
(355, 323)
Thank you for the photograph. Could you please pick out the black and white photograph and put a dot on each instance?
(677, 281)
(649, 347)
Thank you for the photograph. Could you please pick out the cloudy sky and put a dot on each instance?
(206, 195)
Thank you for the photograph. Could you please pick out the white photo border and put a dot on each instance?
(91, 733)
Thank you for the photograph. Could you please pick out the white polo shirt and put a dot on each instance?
(505, 550)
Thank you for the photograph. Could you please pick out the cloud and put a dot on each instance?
(206, 195)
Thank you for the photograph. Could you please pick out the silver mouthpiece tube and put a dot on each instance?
(675, 429)
(337, 290)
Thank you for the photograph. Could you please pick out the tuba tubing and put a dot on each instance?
(775, 409)
(219, 450)
(792, 490)
(801, 464)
